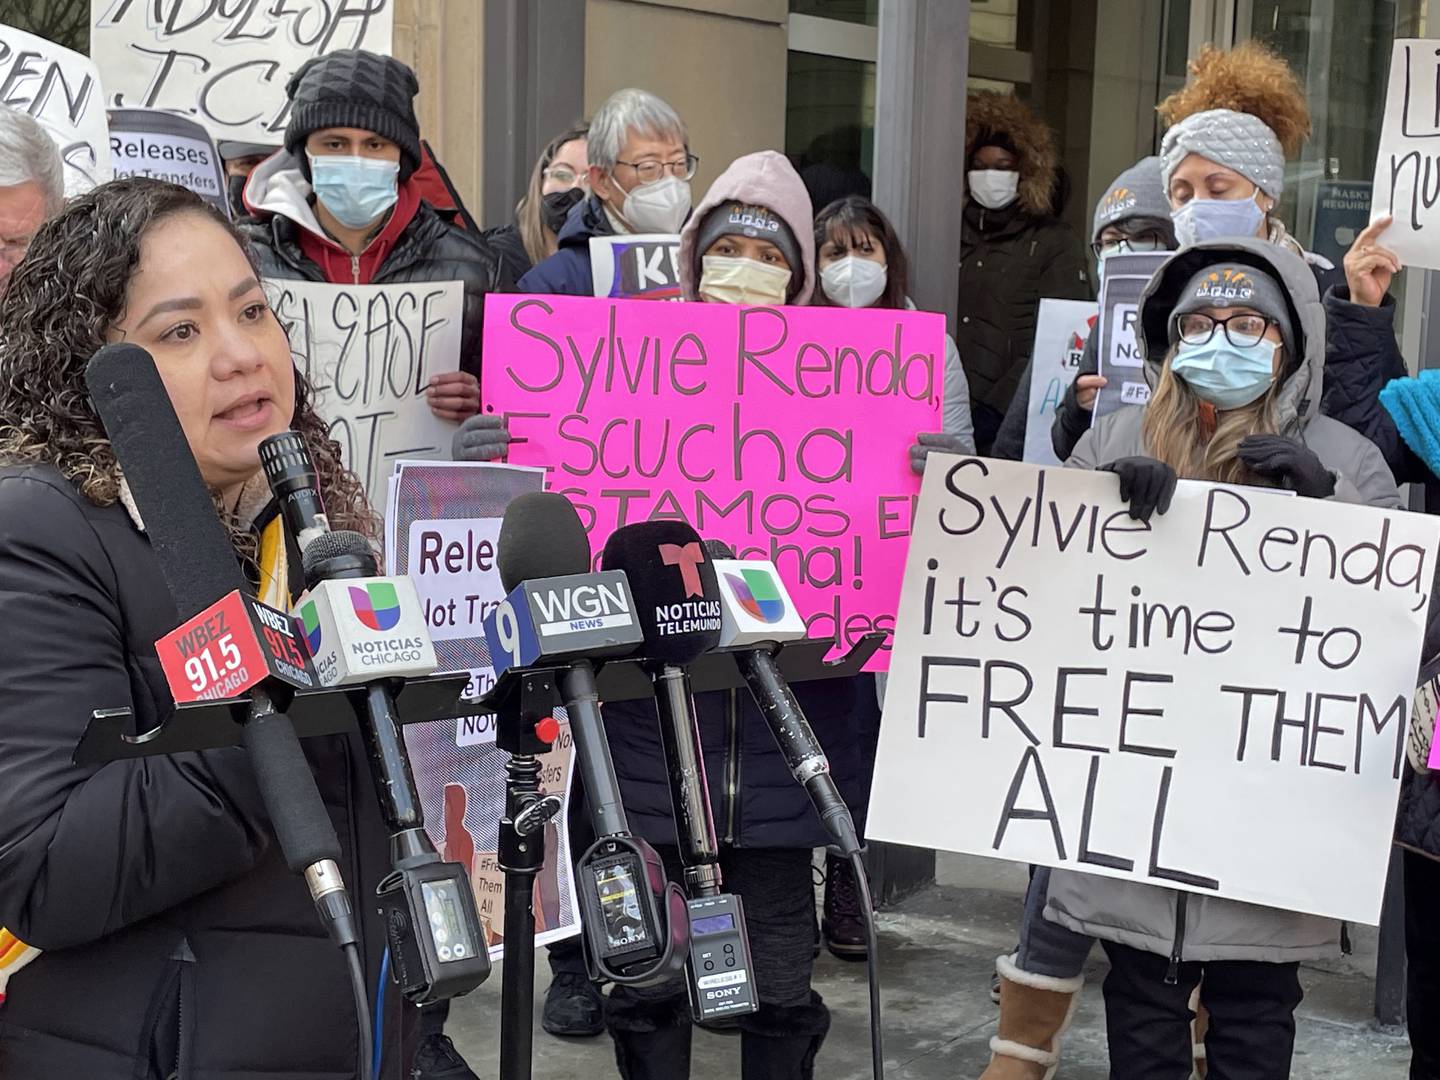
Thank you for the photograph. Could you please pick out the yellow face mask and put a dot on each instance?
(727, 280)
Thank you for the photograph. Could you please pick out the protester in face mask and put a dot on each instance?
(1132, 215)
(1013, 251)
(640, 170)
(240, 159)
(1234, 334)
(32, 185)
(337, 204)
(559, 180)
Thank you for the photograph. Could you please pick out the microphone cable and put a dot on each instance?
(365, 1044)
(872, 964)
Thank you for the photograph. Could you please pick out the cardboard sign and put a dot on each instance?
(1122, 361)
(368, 352)
(1407, 166)
(1061, 330)
(225, 64)
(163, 146)
(1216, 702)
(783, 431)
(441, 522)
(642, 267)
(60, 89)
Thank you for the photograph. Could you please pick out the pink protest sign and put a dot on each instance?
(784, 432)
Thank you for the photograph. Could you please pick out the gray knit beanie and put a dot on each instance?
(735, 218)
(1236, 140)
(1138, 192)
(1231, 285)
(355, 89)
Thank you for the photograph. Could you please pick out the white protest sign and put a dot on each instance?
(60, 89)
(1061, 330)
(163, 146)
(1407, 166)
(1216, 702)
(644, 266)
(369, 352)
(225, 63)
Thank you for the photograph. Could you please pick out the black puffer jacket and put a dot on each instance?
(176, 942)
(1010, 260)
(428, 249)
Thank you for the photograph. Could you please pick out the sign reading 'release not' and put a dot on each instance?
(783, 431)
(225, 64)
(1215, 703)
(368, 352)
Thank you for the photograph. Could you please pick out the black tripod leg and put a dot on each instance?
(517, 988)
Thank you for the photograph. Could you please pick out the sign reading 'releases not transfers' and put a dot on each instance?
(1407, 166)
(1121, 358)
(783, 431)
(163, 146)
(638, 267)
(60, 89)
(225, 63)
(369, 352)
(1216, 702)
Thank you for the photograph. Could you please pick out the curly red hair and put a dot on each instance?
(1249, 78)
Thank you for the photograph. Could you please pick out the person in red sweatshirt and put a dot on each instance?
(339, 203)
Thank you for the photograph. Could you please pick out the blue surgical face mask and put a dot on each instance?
(1228, 376)
(1217, 219)
(357, 190)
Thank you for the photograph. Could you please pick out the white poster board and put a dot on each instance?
(225, 65)
(1061, 330)
(60, 89)
(1407, 166)
(1215, 703)
(369, 352)
(644, 266)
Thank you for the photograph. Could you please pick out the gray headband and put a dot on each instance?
(1236, 140)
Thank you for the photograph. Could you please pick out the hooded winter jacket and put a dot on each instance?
(1012, 258)
(415, 244)
(755, 800)
(1181, 925)
(567, 272)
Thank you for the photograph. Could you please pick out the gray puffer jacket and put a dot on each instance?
(1181, 925)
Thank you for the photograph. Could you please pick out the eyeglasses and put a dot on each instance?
(563, 174)
(1149, 240)
(650, 171)
(1242, 331)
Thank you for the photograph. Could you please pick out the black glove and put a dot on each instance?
(935, 440)
(1146, 485)
(483, 437)
(1293, 464)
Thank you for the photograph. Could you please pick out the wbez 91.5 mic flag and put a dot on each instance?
(561, 617)
(368, 632)
(677, 602)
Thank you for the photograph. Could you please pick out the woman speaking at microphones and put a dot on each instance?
(160, 931)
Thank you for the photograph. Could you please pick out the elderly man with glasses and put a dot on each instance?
(640, 170)
(32, 185)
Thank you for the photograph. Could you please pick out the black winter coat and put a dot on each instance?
(429, 249)
(175, 938)
(1009, 262)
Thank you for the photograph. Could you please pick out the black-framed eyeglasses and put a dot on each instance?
(650, 171)
(1148, 240)
(1242, 331)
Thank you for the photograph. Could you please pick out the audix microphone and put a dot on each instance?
(678, 604)
(230, 643)
(561, 616)
(757, 615)
(369, 632)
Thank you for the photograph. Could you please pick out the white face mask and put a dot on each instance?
(993, 189)
(854, 282)
(660, 207)
(726, 280)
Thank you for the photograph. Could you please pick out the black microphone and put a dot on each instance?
(777, 703)
(198, 563)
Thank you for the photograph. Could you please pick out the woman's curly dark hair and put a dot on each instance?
(58, 308)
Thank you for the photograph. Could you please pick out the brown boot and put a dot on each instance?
(1035, 1010)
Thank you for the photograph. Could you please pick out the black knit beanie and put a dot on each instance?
(355, 89)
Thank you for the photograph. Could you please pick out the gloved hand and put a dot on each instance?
(1293, 464)
(935, 440)
(483, 437)
(1146, 485)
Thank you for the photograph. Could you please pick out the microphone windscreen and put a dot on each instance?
(195, 553)
(718, 549)
(342, 543)
(541, 536)
(677, 596)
